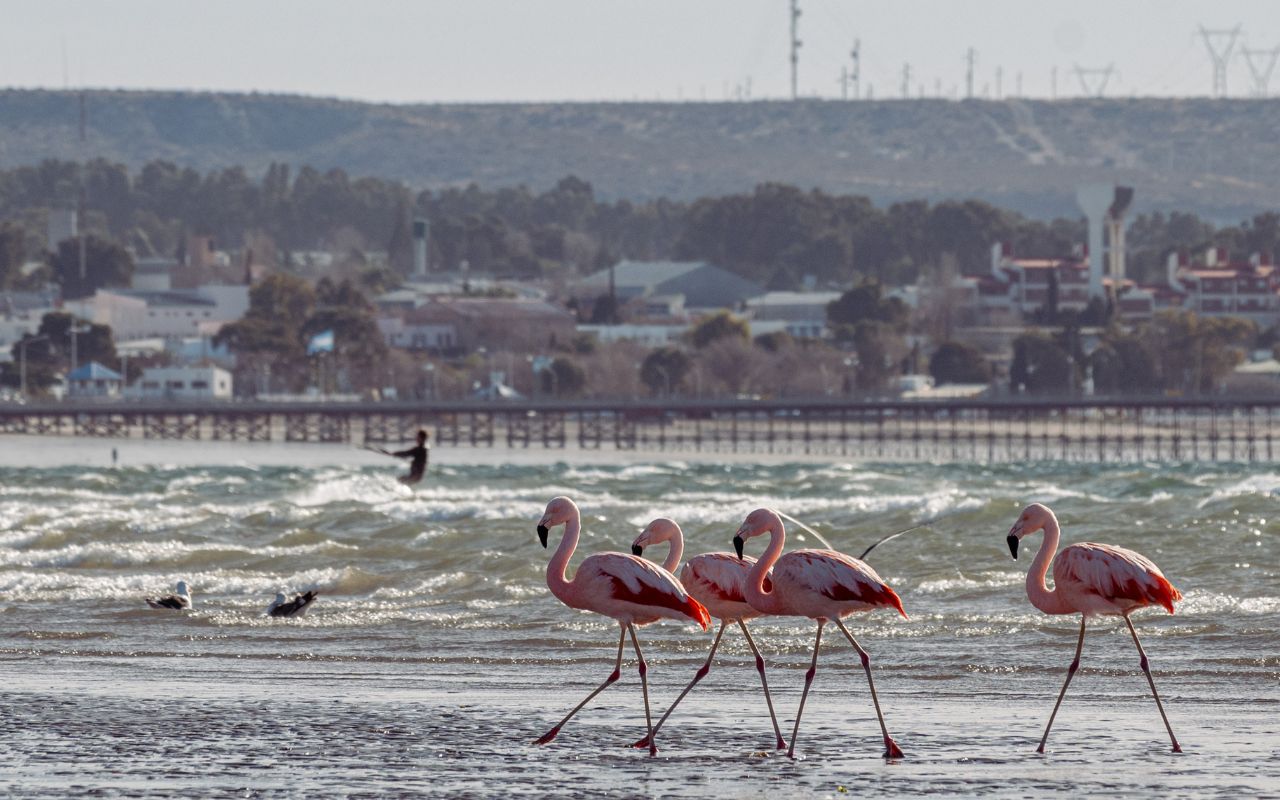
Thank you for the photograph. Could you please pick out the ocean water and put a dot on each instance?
(435, 653)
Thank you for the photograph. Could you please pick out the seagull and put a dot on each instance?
(176, 602)
(297, 607)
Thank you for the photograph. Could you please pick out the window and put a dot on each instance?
(151, 384)
(199, 384)
(175, 385)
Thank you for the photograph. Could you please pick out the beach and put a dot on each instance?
(435, 654)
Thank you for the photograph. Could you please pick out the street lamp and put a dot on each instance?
(22, 362)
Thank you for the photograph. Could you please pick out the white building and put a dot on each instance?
(182, 383)
(648, 335)
(137, 314)
(801, 314)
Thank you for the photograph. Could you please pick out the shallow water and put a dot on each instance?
(435, 653)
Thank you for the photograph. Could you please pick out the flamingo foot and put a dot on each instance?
(781, 744)
(1040, 749)
(653, 750)
(548, 736)
(642, 744)
(1177, 748)
(891, 749)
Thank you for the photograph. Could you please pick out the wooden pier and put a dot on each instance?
(1073, 430)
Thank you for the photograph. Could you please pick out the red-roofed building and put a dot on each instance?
(1219, 287)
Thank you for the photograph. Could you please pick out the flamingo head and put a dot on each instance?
(182, 589)
(1033, 518)
(559, 511)
(760, 521)
(656, 532)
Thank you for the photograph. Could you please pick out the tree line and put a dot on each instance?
(776, 234)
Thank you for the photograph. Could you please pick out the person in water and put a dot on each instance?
(418, 466)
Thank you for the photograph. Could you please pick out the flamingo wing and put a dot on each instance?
(719, 575)
(633, 580)
(838, 577)
(1114, 573)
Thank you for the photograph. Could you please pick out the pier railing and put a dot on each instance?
(1127, 429)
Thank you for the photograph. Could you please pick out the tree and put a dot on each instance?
(106, 264)
(48, 351)
(958, 362)
(564, 377)
(719, 325)
(879, 349)
(866, 303)
(1039, 365)
(1193, 353)
(12, 254)
(664, 370)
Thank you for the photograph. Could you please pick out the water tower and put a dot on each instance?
(1104, 205)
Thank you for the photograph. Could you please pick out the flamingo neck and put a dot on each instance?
(559, 562)
(1041, 596)
(756, 596)
(675, 553)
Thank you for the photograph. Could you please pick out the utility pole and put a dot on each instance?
(795, 48)
(855, 76)
(970, 58)
(906, 81)
(844, 83)
(1261, 69)
(1220, 43)
(1093, 82)
(84, 190)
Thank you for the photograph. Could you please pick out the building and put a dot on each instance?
(183, 383)
(702, 285)
(801, 314)
(140, 314)
(94, 380)
(1220, 287)
(468, 323)
(648, 335)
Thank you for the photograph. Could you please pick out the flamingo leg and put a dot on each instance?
(1071, 671)
(808, 681)
(699, 675)
(891, 749)
(644, 687)
(613, 676)
(765, 683)
(1147, 669)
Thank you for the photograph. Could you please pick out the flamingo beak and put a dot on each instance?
(1013, 546)
(542, 535)
(737, 545)
(637, 550)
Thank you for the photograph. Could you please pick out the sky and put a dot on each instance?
(412, 51)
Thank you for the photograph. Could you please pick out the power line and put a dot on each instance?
(1220, 43)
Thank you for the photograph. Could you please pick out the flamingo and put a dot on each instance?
(716, 580)
(822, 585)
(624, 587)
(1091, 579)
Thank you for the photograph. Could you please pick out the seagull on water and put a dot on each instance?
(297, 607)
(176, 602)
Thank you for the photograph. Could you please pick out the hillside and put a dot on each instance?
(1214, 157)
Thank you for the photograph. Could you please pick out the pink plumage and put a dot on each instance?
(1091, 579)
(624, 587)
(717, 580)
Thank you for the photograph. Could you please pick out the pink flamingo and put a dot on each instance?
(822, 585)
(624, 587)
(716, 580)
(1091, 579)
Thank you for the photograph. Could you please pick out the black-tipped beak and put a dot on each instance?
(637, 550)
(737, 545)
(542, 534)
(1013, 546)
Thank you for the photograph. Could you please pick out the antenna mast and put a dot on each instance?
(1220, 43)
(795, 48)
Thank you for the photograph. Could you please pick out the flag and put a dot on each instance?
(322, 342)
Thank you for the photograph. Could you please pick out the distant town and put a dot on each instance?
(172, 286)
